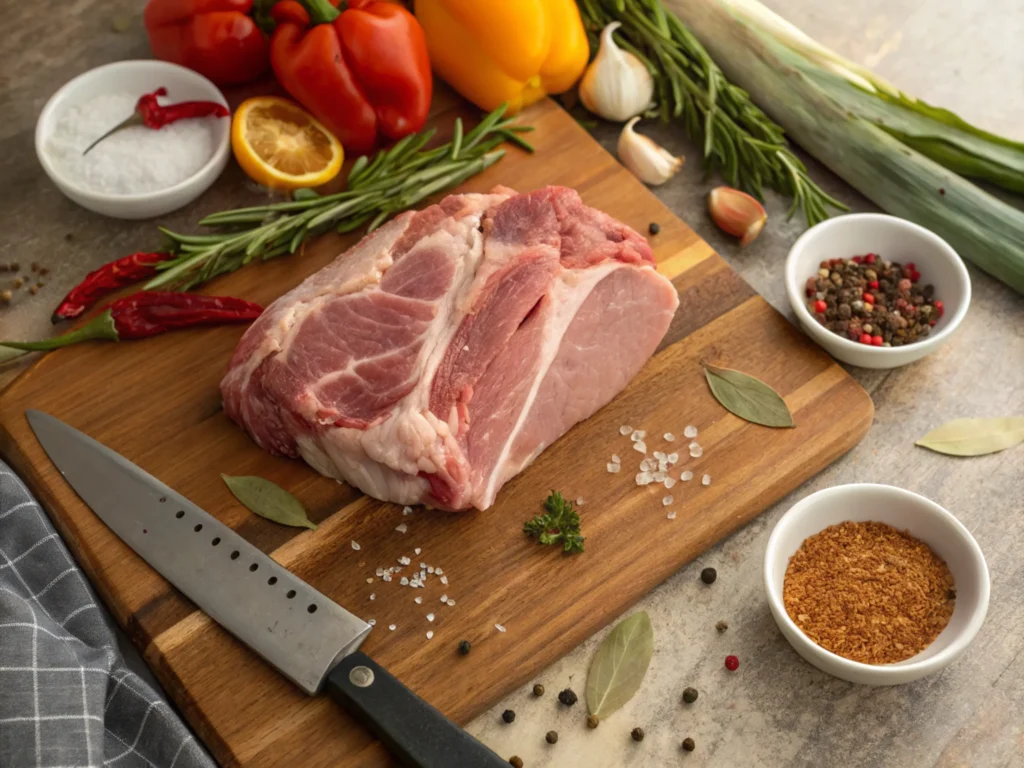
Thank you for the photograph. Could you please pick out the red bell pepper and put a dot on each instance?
(363, 71)
(216, 38)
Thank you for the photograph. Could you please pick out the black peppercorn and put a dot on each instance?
(568, 697)
(515, 761)
(593, 721)
(688, 744)
(708, 575)
(538, 690)
(508, 715)
(722, 625)
(464, 647)
(654, 228)
(690, 695)
(637, 734)
(551, 737)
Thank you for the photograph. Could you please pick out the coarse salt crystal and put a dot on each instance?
(369, 580)
(671, 515)
(430, 634)
(423, 565)
(355, 546)
(659, 476)
(417, 551)
(616, 459)
(669, 482)
(660, 455)
(690, 432)
(444, 580)
(499, 627)
(438, 571)
(625, 430)
(444, 598)
(687, 476)
(640, 446)
(644, 478)
(666, 501)
(451, 603)
(579, 501)
(407, 511)
(669, 437)
(430, 617)
(386, 577)
(696, 451)
(673, 458)
(402, 528)
(404, 560)
(418, 600)
(647, 465)
(404, 581)
(706, 480)
(638, 434)
(373, 595)
(372, 622)
(392, 627)
(613, 468)
(662, 466)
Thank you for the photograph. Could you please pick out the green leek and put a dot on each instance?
(904, 155)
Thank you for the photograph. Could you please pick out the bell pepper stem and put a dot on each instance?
(320, 11)
(100, 327)
(134, 119)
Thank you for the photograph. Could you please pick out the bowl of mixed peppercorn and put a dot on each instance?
(876, 291)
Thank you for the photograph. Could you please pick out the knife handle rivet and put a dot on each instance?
(361, 677)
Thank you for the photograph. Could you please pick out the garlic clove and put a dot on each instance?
(616, 84)
(737, 213)
(648, 161)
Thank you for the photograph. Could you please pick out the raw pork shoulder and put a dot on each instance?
(438, 357)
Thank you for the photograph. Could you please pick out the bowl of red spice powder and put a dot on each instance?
(876, 291)
(875, 584)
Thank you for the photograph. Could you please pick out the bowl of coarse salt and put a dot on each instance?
(137, 172)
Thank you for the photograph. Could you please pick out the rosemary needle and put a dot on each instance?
(394, 180)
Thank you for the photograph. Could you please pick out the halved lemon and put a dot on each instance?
(282, 146)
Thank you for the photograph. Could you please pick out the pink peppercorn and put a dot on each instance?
(820, 307)
(869, 297)
(873, 285)
(865, 338)
(877, 341)
(732, 663)
(869, 259)
(940, 308)
(858, 259)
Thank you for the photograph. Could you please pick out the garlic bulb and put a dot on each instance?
(616, 85)
(649, 162)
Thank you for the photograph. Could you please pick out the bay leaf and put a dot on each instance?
(975, 437)
(749, 398)
(269, 500)
(620, 664)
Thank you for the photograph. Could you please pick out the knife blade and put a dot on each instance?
(308, 637)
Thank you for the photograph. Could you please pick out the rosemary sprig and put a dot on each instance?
(739, 140)
(394, 180)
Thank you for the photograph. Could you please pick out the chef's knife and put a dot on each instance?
(309, 638)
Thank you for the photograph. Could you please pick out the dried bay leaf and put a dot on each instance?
(620, 664)
(974, 437)
(749, 398)
(269, 500)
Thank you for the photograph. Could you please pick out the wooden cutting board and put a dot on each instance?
(157, 402)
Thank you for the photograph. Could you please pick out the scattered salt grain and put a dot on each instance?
(430, 635)
(373, 595)
(451, 603)
(662, 466)
(613, 468)
(402, 528)
(392, 627)
(439, 572)
(418, 600)
(640, 446)
(666, 501)
(417, 551)
(579, 501)
(404, 560)
(669, 482)
(647, 465)
(660, 455)
(673, 458)
(355, 545)
(638, 434)
(644, 478)
(625, 430)
(687, 476)
(407, 511)
(660, 476)
(404, 581)
(696, 451)
(669, 437)
(423, 565)
(372, 622)
(430, 617)
(444, 580)
(369, 580)
(671, 515)
(706, 480)
(616, 459)
(690, 432)
(444, 598)
(499, 627)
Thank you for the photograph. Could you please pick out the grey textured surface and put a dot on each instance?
(775, 710)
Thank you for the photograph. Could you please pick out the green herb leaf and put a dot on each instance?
(305, 193)
(620, 664)
(974, 437)
(749, 398)
(559, 524)
(269, 500)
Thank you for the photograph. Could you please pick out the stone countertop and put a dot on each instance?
(776, 710)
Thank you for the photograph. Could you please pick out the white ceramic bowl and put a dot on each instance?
(893, 239)
(905, 510)
(136, 77)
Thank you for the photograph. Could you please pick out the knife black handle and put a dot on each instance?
(412, 730)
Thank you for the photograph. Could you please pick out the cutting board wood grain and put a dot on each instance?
(157, 402)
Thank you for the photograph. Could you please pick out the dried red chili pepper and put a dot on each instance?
(150, 113)
(107, 279)
(149, 313)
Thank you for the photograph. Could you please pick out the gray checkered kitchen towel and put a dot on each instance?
(67, 697)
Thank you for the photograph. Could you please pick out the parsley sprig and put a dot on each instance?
(559, 523)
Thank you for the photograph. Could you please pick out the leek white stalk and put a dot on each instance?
(819, 109)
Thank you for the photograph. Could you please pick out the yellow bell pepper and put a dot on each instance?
(515, 51)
